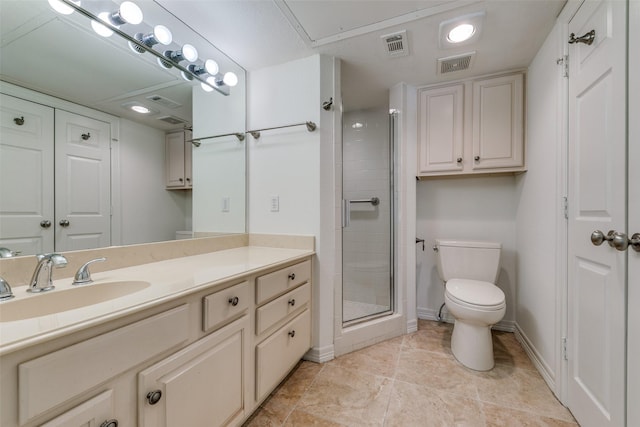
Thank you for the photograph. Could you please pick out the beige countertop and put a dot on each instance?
(168, 280)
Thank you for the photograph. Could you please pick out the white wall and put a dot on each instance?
(286, 164)
(465, 208)
(539, 216)
(150, 213)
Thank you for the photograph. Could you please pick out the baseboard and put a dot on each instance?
(320, 355)
(412, 326)
(430, 314)
(538, 361)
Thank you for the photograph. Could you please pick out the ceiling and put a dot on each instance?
(261, 33)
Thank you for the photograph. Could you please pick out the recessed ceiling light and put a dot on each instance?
(140, 109)
(461, 33)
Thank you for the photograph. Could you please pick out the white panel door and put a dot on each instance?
(83, 182)
(597, 201)
(26, 176)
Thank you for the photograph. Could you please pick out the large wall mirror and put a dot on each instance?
(61, 57)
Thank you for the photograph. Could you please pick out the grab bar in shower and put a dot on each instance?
(346, 219)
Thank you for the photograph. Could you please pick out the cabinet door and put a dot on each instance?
(26, 176)
(175, 160)
(200, 386)
(498, 123)
(94, 412)
(188, 159)
(441, 135)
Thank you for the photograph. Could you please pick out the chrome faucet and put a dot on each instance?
(5, 290)
(44, 267)
(8, 253)
(83, 276)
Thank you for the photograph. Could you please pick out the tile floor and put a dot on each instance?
(414, 380)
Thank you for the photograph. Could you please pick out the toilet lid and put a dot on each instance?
(475, 292)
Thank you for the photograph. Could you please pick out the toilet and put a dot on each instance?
(470, 270)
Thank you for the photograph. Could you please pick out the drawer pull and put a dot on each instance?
(292, 302)
(292, 276)
(154, 397)
(234, 301)
(292, 333)
(110, 423)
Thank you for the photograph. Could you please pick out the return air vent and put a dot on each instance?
(396, 44)
(451, 64)
(165, 102)
(172, 120)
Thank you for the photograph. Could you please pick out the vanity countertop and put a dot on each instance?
(168, 280)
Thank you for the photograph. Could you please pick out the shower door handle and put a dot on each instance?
(346, 208)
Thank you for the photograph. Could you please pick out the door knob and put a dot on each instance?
(45, 223)
(597, 237)
(621, 242)
(634, 241)
(64, 222)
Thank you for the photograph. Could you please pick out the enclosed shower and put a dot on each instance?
(368, 256)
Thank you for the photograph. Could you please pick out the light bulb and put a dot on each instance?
(189, 53)
(140, 109)
(212, 81)
(461, 33)
(211, 66)
(100, 28)
(61, 7)
(162, 34)
(230, 79)
(129, 12)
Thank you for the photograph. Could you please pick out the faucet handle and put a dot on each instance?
(5, 290)
(83, 276)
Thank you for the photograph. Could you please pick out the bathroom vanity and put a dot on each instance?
(195, 341)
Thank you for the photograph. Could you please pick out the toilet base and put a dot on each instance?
(471, 344)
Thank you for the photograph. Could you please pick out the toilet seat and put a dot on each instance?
(475, 294)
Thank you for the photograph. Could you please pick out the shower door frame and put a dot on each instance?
(392, 138)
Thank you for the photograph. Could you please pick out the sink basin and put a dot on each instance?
(57, 301)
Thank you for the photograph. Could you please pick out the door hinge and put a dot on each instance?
(565, 207)
(564, 349)
(564, 61)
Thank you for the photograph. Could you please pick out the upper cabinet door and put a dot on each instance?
(498, 123)
(441, 137)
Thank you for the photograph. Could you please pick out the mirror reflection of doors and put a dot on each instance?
(46, 153)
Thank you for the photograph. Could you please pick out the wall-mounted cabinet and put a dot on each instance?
(472, 127)
(178, 160)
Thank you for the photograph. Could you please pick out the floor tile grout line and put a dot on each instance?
(306, 390)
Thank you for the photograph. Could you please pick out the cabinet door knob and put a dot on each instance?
(180, 179)
(292, 302)
(292, 276)
(45, 223)
(234, 301)
(64, 222)
(459, 160)
(476, 158)
(154, 397)
(110, 423)
(292, 333)
(19, 120)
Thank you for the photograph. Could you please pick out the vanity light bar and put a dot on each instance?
(142, 47)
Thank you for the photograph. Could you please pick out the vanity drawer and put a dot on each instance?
(224, 305)
(276, 355)
(273, 284)
(271, 313)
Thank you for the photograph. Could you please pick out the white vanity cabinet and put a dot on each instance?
(472, 127)
(178, 160)
(205, 358)
(283, 324)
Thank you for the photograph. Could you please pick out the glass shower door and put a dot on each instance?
(368, 206)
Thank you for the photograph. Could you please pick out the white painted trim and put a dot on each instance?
(536, 358)
(320, 354)
(412, 326)
(365, 29)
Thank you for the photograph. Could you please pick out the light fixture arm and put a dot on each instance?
(223, 90)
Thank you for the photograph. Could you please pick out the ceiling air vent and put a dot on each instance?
(165, 102)
(451, 64)
(396, 44)
(172, 120)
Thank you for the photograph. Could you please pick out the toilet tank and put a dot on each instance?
(468, 260)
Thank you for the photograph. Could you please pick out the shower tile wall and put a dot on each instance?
(366, 241)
